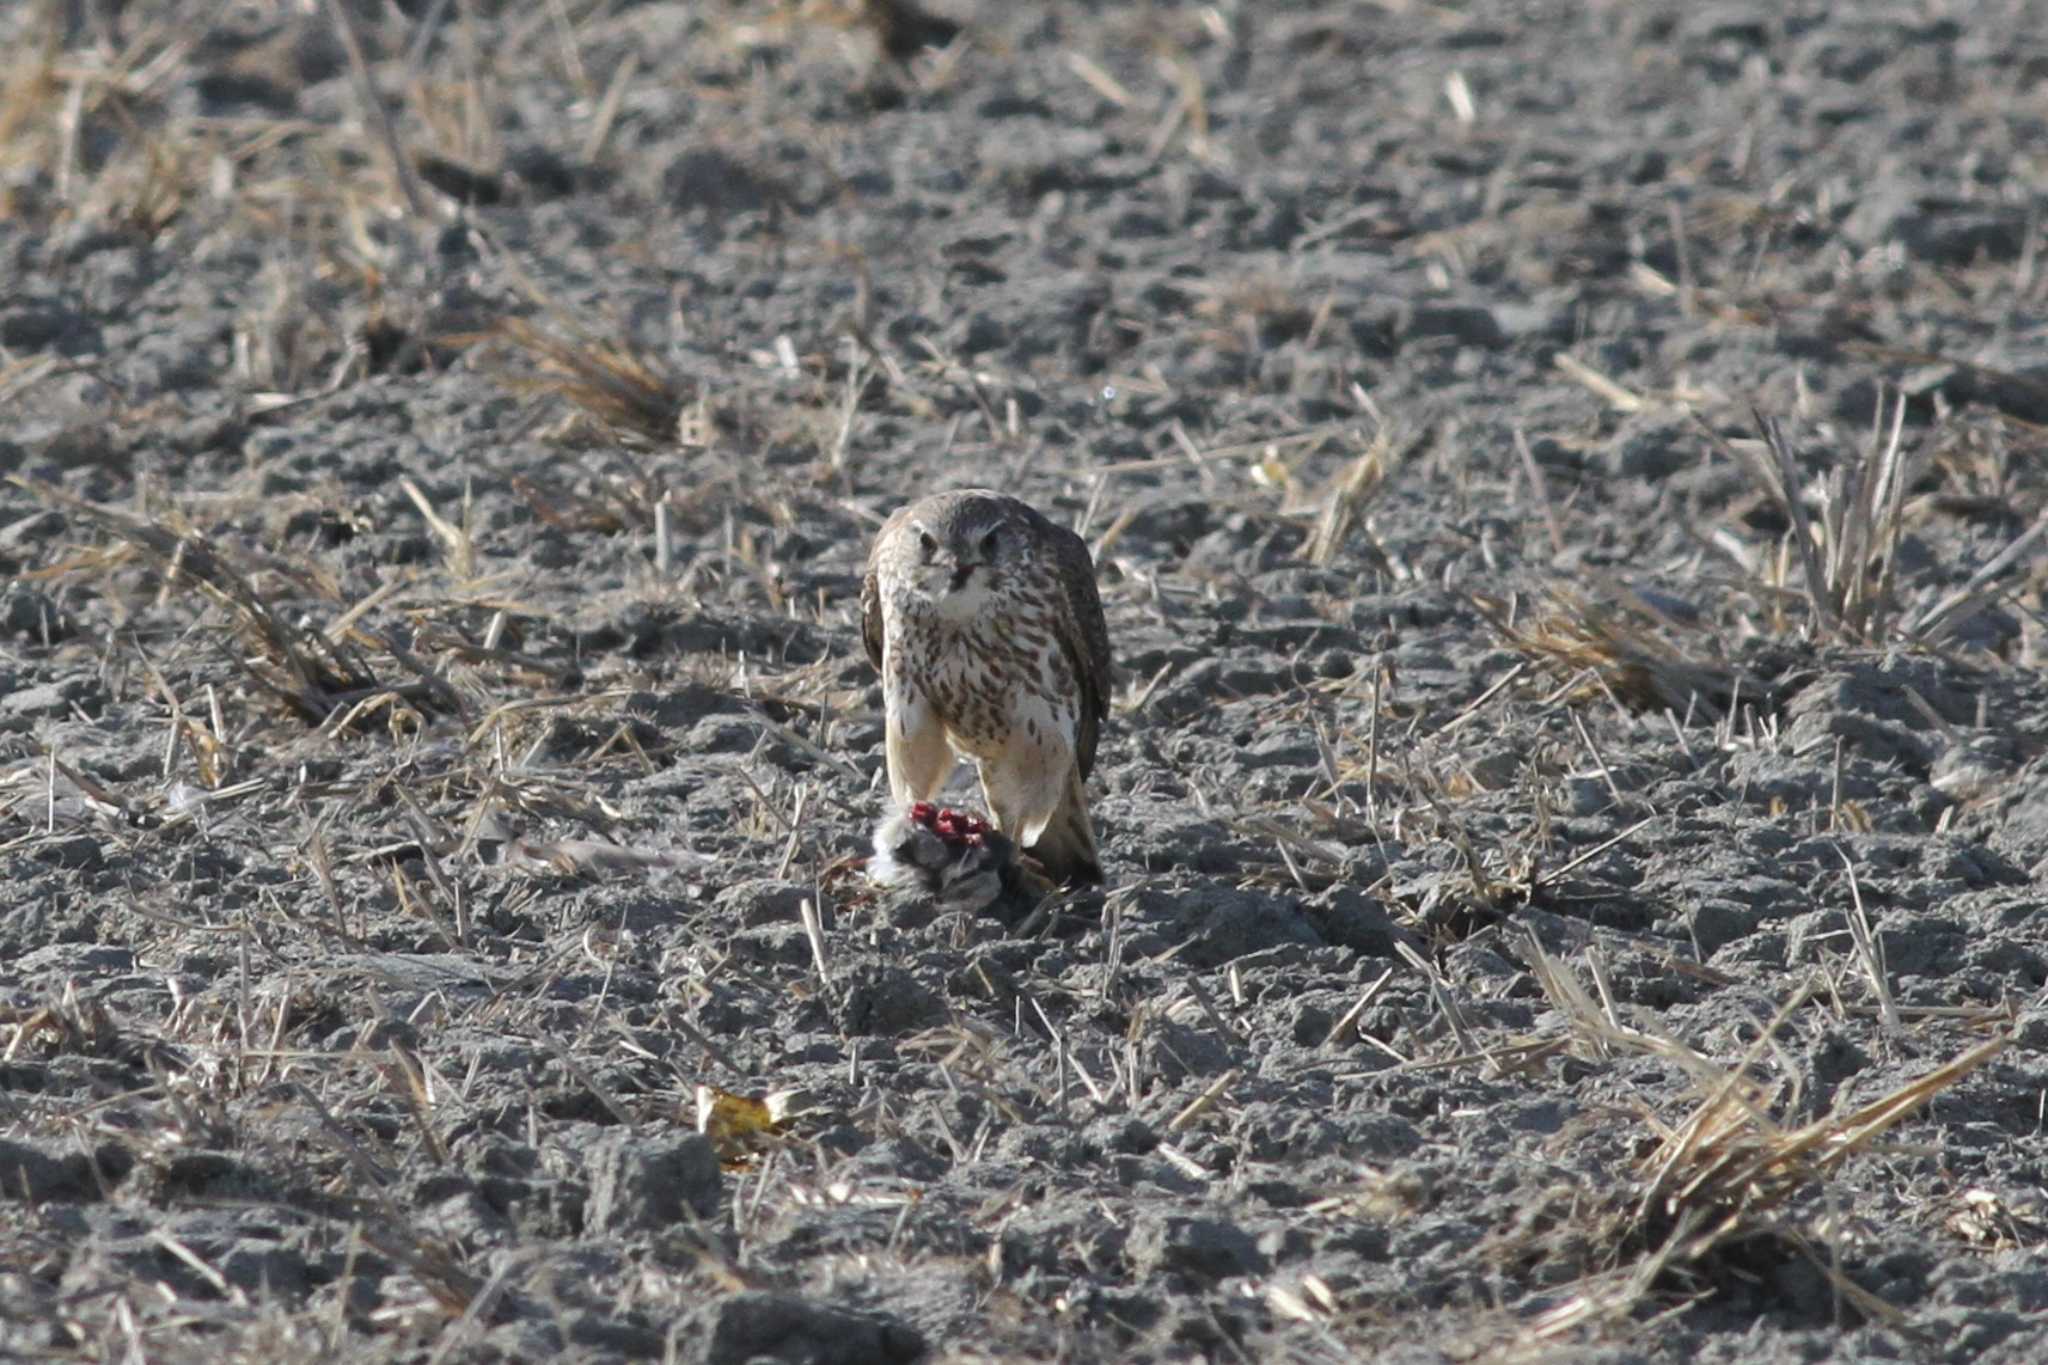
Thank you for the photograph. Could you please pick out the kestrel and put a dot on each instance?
(983, 620)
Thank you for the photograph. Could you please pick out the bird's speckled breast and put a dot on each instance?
(975, 674)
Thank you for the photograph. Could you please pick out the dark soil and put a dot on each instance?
(437, 738)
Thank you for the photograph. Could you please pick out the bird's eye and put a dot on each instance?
(988, 545)
(927, 543)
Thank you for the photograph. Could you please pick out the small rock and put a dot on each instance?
(1467, 325)
(685, 705)
(762, 901)
(80, 853)
(616, 1337)
(1653, 445)
(49, 326)
(640, 1184)
(37, 700)
(1225, 925)
(32, 1175)
(1348, 918)
(1204, 1247)
(18, 536)
(888, 1001)
(985, 333)
(783, 1327)
(703, 178)
(1717, 923)
(1175, 1051)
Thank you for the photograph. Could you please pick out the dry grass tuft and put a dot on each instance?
(623, 393)
(1844, 527)
(1847, 553)
(1723, 1180)
(73, 120)
(310, 672)
(1727, 1173)
(1623, 649)
(1344, 502)
(70, 1026)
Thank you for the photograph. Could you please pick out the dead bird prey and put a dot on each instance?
(954, 857)
(983, 620)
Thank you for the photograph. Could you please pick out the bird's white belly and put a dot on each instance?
(992, 693)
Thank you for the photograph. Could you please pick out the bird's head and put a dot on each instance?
(967, 548)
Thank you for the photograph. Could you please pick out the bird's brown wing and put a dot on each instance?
(1084, 635)
(871, 588)
(871, 616)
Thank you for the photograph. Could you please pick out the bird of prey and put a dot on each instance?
(983, 620)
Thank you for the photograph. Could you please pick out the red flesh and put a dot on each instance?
(954, 826)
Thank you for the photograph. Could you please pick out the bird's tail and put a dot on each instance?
(1065, 848)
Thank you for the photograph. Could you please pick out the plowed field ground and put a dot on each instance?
(1564, 481)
